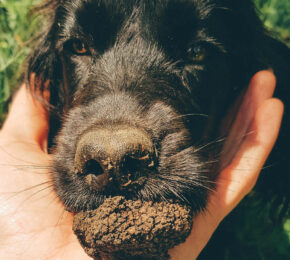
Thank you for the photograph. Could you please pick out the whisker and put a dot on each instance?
(60, 218)
(22, 203)
(37, 192)
(220, 140)
(28, 167)
(30, 188)
(193, 114)
(14, 157)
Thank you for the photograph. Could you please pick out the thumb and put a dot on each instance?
(27, 120)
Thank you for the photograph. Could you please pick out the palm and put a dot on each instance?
(33, 222)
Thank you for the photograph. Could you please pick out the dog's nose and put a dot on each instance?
(115, 157)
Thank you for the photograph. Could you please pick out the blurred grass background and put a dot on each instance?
(18, 27)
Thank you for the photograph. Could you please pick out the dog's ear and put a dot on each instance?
(45, 77)
(45, 72)
(254, 48)
(252, 45)
(277, 55)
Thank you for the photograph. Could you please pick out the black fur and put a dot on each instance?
(141, 71)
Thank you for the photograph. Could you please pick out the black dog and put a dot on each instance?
(139, 90)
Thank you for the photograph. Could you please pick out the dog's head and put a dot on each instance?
(141, 89)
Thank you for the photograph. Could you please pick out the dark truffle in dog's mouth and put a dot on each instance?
(127, 229)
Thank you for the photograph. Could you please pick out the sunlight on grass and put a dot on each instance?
(17, 27)
(276, 16)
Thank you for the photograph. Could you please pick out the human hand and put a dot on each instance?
(258, 121)
(33, 222)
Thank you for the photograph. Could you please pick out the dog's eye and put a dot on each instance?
(78, 47)
(196, 53)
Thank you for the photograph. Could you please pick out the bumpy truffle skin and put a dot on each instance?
(127, 229)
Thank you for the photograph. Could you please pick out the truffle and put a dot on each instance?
(127, 229)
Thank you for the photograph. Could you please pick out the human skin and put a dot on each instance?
(34, 223)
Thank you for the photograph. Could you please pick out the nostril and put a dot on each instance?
(133, 170)
(119, 157)
(92, 167)
(135, 166)
(131, 165)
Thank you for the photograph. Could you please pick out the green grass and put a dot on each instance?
(17, 27)
(276, 16)
(258, 236)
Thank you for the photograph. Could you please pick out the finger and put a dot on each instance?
(242, 174)
(27, 120)
(266, 126)
(261, 87)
